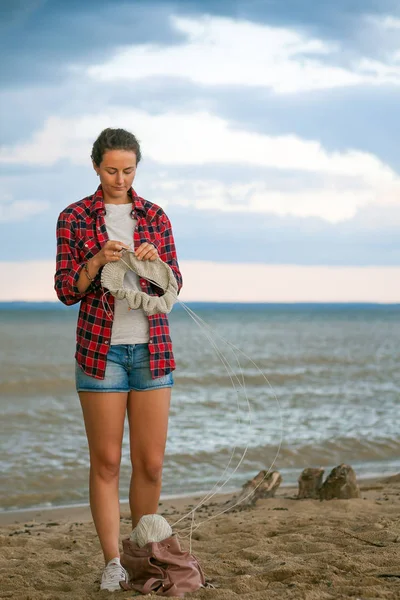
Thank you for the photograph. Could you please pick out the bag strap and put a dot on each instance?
(153, 585)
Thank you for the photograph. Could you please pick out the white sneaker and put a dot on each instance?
(113, 573)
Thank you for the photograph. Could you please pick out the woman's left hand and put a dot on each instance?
(146, 251)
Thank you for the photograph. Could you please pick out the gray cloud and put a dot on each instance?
(42, 38)
(283, 240)
(14, 13)
(42, 44)
(363, 117)
(370, 238)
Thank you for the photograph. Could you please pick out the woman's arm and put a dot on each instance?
(71, 282)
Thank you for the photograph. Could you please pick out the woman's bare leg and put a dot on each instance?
(104, 415)
(148, 425)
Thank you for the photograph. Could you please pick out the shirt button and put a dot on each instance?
(142, 283)
(150, 341)
(106, 342)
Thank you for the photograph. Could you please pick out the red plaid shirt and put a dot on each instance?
(81, 232)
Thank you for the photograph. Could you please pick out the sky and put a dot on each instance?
(269, 133)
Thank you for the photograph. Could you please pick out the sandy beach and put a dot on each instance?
(282, 548)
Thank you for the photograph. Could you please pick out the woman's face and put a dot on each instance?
(117, 171)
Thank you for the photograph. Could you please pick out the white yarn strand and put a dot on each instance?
(205, 328)
(226, 363)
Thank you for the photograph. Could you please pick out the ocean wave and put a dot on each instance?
(326, 452)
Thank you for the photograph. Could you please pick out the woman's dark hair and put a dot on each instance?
(115, 139)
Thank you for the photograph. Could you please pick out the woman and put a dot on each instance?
(124, 359)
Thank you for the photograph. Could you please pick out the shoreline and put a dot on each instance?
(82, 511)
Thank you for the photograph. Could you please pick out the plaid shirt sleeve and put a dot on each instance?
(68, 266)
(167, 251)
(161, 354)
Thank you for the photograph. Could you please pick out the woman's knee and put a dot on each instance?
(106, 466)
(150, 468)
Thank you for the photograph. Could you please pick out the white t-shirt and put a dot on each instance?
(130, 326)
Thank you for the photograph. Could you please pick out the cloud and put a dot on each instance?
(39, 51)
(43, 39)
(387, 22)
(281, 59)
(350, 179)
(259, 55)
(332, 203)
(17, 12)
(19, 210)
(213, 234)
(266, 238)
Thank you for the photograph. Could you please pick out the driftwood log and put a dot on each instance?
(310, 483)
(341, 483)
(263, 485)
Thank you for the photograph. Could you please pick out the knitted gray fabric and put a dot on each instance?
(112, 278)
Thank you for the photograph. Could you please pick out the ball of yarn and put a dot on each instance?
(151, 528)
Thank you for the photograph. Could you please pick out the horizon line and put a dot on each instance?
(233, 302)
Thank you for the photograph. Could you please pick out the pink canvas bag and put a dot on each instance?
(162, 568)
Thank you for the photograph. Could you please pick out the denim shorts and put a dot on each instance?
(127, 368)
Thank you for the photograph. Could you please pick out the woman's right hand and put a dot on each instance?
(110, 252)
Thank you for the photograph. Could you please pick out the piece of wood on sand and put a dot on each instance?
(341, 483)
(263, 485)
(310, 482)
